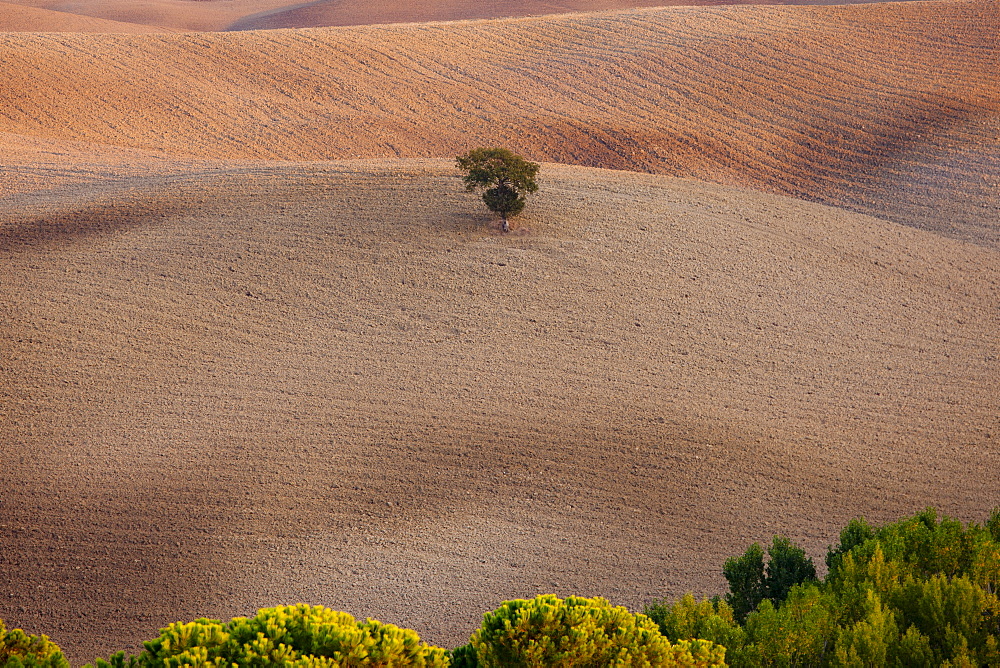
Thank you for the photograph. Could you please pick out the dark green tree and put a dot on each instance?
(463, 657)
(751, 582)
(505, 177)
(746, 581)
(787, 567)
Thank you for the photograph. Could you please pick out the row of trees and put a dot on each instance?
(919, 592)
(544, 631)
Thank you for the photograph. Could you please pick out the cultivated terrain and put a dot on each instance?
(259, 347)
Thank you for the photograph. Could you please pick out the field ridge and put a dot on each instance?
(890, 109)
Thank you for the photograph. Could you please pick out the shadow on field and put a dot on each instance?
(101, 218)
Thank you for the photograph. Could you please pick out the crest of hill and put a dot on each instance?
(18, 18)
(890, 109)
(208, 15)
(123, 15)
(366, 12)
(229, 385)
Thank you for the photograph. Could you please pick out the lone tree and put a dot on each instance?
(506, 177)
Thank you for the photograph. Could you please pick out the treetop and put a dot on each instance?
(492, 167)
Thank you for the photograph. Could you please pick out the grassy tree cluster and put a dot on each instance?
(919, 592)
(922, 591)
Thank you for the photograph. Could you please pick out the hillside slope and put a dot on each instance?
(890, 109)
(16, 18)
(208, 15)
(153, 15)
(323, 13)
(232, 385)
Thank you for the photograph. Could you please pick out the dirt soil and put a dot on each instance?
(257, 346)
(888, 109)
(214, 15)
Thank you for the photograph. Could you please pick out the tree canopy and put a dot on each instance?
(505, 177)
(922, 591)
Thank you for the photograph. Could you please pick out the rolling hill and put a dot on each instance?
(887, 109)
(260, 347)
(17, 18)
(212, 15)
(133, 15)
(331, 382)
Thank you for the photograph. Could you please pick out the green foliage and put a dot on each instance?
(953, 614)
(695, 653)
(867, 641)
(745, 575)
(463, 657)
(993, 525)
(751, 582)
(921, 591)
(923, 546)
(20, 650)
(504, 200)
(689, 619)
(505, 177)
(787, 566)
(914, 649)
(548, 631)
(300, 635)
(799, 632)
(917, 592)
(855, 533)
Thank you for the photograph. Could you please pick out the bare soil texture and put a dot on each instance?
(889, 109)
(336, 383)
(130, 15)
(213, 15)
(257, 346)
(321, 13)
(18, 18)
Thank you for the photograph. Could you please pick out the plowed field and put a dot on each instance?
(257, 346)
(16, 18)
(886, 109)
(269, 14)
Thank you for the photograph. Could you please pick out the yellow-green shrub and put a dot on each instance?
(289, 635)
(548, 631)
(20, 650)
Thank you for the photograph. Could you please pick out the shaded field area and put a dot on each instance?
(887, 109)
(335, 383)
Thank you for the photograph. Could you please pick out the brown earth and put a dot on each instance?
(163, 15)
(322, 13)
(17, 18)
(331, 382)
(210, 15)
(259, 347)
(892, 110)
